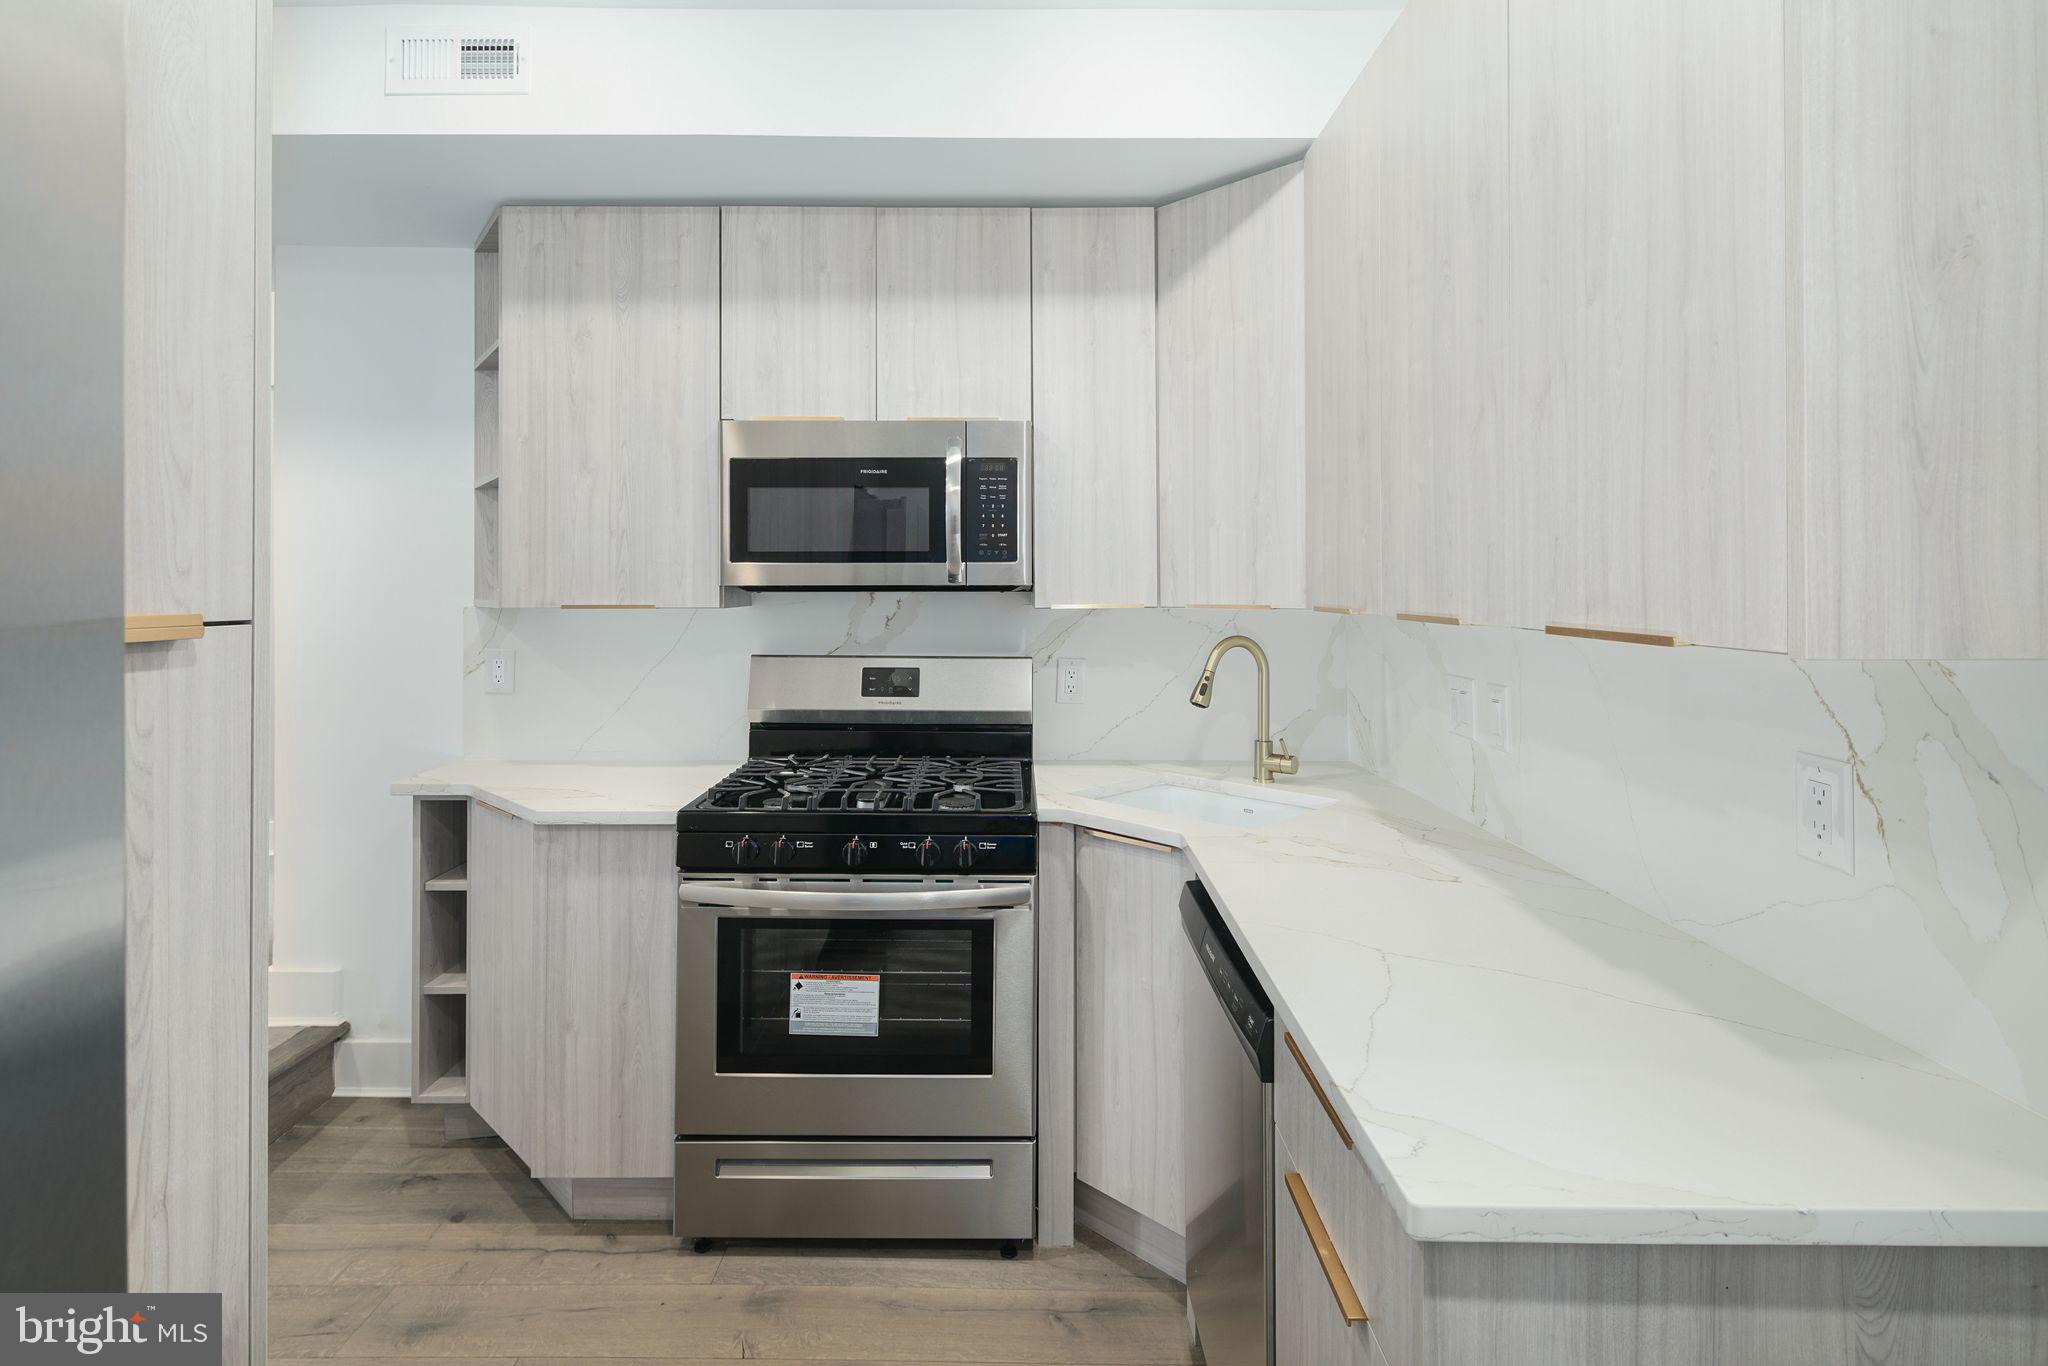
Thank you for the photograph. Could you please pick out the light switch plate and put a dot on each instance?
(1463, 702)
(1824, 812)
(497, 671)
(1068, 674)
(1497, 716)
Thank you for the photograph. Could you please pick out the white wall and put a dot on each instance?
(371, 573)
(1666, 777)
(925, 73)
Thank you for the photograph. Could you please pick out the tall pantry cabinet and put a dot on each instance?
(196, 437)
(1723, 322)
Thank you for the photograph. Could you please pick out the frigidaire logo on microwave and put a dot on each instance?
(865, 471)
(176, 1330)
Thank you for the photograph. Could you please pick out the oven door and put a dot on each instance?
(843, 504)
(855, 1008)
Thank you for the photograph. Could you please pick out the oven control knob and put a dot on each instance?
(928, 853)
(782, 851)
(855, 853)
(745, 851)
(963, 853)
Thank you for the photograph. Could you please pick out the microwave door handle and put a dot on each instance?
(956, 568)
(939, 901)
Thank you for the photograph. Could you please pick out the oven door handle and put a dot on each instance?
(938, 901)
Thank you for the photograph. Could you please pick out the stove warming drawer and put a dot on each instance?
(737, 1188)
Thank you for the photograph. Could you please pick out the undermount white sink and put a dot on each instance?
(1218, 806)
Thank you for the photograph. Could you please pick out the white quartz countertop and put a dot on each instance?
(1521, 1056)
(571, 794)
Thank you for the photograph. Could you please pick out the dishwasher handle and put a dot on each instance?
(1229, 974)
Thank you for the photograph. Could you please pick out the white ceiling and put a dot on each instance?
(437, 191)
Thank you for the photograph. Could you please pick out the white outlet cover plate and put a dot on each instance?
(1837, 848)
(1464, 703)
(498, 671)
(1067, 678)
(1497, 717)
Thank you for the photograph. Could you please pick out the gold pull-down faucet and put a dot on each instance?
(1269, 756)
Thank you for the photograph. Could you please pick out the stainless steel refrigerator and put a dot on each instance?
(63, 1206)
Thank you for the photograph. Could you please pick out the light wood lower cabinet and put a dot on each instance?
(610, 1000)
(1307, 1325)
(571, 1036)
(191, 1055)
(507, 979)
(1128, 953)
(1615, 1304)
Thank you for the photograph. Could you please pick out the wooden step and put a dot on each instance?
(301, 1071)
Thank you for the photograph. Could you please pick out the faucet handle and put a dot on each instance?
(1274, 758)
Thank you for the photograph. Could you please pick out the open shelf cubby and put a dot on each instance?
(487, 319)
(440, 950)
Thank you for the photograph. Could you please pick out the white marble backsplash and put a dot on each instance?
(1667, 778)
(670, 686)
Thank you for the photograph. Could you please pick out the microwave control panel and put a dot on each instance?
(988, 509)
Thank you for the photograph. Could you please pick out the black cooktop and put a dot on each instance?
(872, 785)
(865, 813)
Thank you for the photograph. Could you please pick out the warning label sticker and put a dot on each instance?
(835, 1003)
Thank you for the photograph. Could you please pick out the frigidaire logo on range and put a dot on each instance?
(166, 1328)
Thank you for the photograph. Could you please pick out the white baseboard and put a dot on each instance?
(373, 1067)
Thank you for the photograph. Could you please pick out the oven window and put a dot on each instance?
(894, 997)
(838, 511)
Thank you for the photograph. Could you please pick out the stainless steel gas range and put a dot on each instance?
(856, 959)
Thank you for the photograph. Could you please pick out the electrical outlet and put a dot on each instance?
(1068, 672)
(1824, 821)
(1497, 717)
(498, 671)
(1462, 705)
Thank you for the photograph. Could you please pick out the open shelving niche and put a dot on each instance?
(487, 318)
(440, 950)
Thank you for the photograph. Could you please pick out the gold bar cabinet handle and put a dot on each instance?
(1317, 1087)
(1114, 837)
(1348, 1303)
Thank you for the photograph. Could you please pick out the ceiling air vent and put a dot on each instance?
(446, 60)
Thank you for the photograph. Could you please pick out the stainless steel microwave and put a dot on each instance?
(921, 504)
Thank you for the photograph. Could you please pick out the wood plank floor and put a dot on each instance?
(390, 1244)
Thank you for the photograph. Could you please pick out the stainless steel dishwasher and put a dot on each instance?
(1227, 1095)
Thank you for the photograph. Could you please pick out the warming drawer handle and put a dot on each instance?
(1348, 1303)
(776, 899)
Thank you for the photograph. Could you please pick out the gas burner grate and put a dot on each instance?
(864, 785)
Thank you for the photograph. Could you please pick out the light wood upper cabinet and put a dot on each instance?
(192, 1148)
(953, 313)
(192, 305)
(1128, 956)
(1648, 380)
(1230, 362)
(798, 333)
(1406, 195)
(1094, 407)
(607, 418)
(1923, 481)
